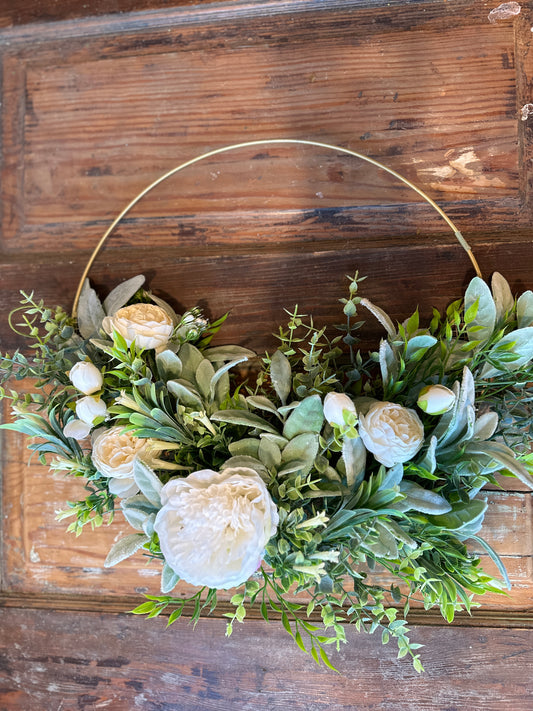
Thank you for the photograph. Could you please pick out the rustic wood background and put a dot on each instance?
(98, 99)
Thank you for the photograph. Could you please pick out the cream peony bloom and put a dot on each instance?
(393, 433)
(214, 526)
(334, 406)
(89, 408)
(86, 377)
(436, 399)
(114, 452)
(148, 325)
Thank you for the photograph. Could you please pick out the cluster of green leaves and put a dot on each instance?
(342, 515)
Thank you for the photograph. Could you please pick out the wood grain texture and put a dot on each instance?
(95, 105)
(89, 661)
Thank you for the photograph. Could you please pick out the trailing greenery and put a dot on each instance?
(352, 508)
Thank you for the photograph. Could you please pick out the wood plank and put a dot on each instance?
(132, 109)
(91, 661)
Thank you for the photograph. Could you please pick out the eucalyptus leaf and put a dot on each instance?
(147, 481)
(90, 312)
(524, 309)
(502, 295)
(485, 319)
(308, 416)
(280, 374)
(122, 293)
(419, 499)
(124, 548)
(169, 579)
(169, 365)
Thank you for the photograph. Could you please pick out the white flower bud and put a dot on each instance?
(89, 408)
(436, 399)
(86, 377)
(76, 429)
(334, 406)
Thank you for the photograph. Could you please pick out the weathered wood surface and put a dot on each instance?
(94, 107)
(87, 662)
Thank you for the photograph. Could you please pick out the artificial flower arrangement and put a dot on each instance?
(326, 463)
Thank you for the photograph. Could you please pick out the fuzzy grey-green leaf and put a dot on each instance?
(147, 482)
(308, 416)
(485, 319)
(122, 293)
(125, 547)
(280, 374)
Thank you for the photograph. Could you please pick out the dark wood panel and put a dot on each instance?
(90, 661)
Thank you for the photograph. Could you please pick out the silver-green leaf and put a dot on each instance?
(124, 548)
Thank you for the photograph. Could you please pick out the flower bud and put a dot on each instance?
(76, 429)
(86, 377)
(334, 406)
(89, 408)
(436, 399)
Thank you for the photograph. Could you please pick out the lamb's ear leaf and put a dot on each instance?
(124, 548)
(122, 293)
(147, 482)
(482, 327)
(281, 376)
(90, 312)
(169, 579)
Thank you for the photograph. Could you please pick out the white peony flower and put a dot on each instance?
(393, 433)
(148, 325)
(114, 452)
(334, 406)
(77, 429)
(436, 399)
(214, 526)
(89, 408)
(86, 377)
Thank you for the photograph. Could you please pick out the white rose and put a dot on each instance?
(148, 325)
(334, 406)
(114, 452)
(86, 377)
(77, 429)
(436, 399)
(393, 433)
(214, 526)
(89, 408)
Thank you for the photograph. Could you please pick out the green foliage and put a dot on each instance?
(342, 513)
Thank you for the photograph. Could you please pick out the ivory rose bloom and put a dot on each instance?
(213, 526)
(114, 452)
(393, 433)
(436, 399)
(86, 377)
(89, 408)
(148, 325)
(77, 429)
(334, 406)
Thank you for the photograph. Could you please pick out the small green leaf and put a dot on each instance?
(280, 374)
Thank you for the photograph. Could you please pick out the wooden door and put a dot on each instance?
(100, 99)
